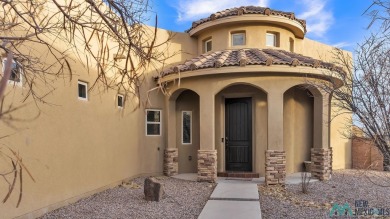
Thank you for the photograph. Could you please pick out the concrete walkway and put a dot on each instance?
(233, 199)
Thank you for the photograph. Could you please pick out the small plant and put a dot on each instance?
(305, 176)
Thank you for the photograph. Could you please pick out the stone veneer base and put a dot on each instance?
(171, 164)
(207, 165)
(321, 163)
(275, 167)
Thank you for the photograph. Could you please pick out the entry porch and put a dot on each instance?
(264, 125)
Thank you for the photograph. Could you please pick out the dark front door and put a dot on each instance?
(238, 139)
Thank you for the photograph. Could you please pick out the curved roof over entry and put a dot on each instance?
(243, 57)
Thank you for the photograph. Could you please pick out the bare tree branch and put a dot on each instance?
(366, 86)
(41, 40)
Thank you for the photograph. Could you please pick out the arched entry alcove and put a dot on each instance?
(299, 125)
(241, 128)
(187, 131)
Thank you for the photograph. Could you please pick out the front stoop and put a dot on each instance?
(275, 167)
(321, 163)
(207, 165)
(171, 164)
(247, 175)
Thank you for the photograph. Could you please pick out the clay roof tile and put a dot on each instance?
(243, 57)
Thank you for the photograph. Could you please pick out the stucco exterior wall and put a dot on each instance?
(255, 37)
(75, 148)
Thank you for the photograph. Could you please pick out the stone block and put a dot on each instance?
(153, 189)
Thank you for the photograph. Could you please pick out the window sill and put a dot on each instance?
(15, 84)
(83, 99)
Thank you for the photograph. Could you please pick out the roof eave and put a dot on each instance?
(301, 71)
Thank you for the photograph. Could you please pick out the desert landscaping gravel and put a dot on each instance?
(186, 199)
(183, 199)
(346, 186)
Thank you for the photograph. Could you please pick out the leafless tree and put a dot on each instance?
(40, 40)
(366, 82)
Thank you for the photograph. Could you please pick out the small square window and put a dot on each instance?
(208, 45)
(153, 122)
(83, 90)
(272, 39)
(16, 72)
(238, 39)
(120, 100)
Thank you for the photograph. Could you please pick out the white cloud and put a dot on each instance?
(318, 18)
(191, 10)
(342, 44)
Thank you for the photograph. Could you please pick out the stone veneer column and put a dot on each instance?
(207, 165)
(171, 153)
(275, 167)
(275, 156)
(321, 153)
(207, 155)
(321, 163)
(171, 164)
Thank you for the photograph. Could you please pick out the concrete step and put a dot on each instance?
(238, 174)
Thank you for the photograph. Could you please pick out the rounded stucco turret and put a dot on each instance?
(248, 27)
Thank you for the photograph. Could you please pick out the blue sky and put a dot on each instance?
(339, 23)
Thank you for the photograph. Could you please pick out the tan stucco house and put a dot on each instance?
(237, 100)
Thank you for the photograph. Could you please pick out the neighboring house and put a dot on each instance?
(239, 102)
